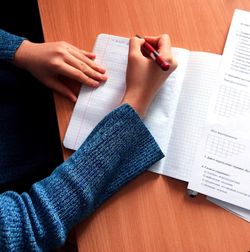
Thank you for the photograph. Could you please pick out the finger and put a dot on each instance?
(153, 40)
(89, 54)
(77, 75)
(86, 53)
(85, 68)
(59, 87)
(135, 45)
(80, 56)
(162, 43)
(93, 65)
(68, 46)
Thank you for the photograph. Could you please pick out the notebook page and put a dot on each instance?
(93, 104)
(161, 115)
(199, 82)
(222, 162)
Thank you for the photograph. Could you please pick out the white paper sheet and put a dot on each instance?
(238, 211)
(222, 166)
(198, 85)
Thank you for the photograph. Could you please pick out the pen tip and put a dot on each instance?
(138, 36)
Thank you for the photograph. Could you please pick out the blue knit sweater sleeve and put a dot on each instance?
(8, 45)
(117, 150)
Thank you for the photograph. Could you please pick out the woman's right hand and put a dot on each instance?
(144, 77)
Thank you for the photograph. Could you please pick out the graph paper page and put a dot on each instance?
(93, 104)
(198, 85)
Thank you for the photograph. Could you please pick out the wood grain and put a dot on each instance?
(151, 213)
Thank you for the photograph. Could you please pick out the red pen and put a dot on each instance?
(150, 51)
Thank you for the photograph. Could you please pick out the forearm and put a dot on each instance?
(118, 149)
(9, 43)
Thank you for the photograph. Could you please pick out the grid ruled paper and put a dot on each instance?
(177, 109)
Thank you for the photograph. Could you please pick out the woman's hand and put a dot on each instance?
(58, 64)
(144, 77)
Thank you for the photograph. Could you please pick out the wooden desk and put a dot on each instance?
(152, 213)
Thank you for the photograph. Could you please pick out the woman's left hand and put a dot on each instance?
(56, 63)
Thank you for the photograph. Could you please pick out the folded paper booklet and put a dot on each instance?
(175, 118)
(178, 115)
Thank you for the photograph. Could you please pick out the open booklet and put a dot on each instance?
(200, 118)
(177, 115)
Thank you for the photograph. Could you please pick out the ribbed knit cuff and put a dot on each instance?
(9, 43)
(117, 150)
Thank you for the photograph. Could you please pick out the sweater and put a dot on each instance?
(118, 149)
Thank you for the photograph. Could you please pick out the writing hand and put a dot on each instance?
(144, 77)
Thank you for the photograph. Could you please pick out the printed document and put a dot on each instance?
(222, 164)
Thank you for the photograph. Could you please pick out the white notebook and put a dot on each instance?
(176, 116)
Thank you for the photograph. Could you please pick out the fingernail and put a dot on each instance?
(96, 84)
(73, 99)
(104, 77)
(100, 68)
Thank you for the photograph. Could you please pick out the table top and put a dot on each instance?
(153, 212)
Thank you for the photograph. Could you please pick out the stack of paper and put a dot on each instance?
(222, 165)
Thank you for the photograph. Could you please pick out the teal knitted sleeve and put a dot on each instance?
(117, 150)
(8, 45)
